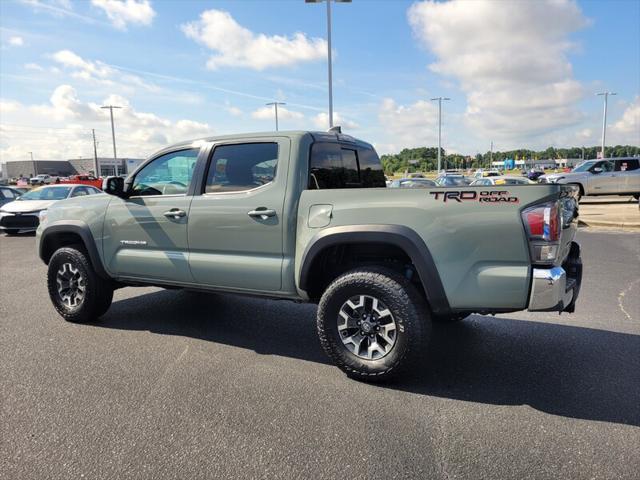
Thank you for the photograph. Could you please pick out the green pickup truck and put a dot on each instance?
(306, 216)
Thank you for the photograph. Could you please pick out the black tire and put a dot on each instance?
(580, 190)
(448, 318)
(408, 310)
(97, 292)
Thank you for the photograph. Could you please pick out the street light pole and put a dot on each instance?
(604, 119)
(35, 173)
(113, 136)
(275, 105)
(96, 171)
(329, 57)
(439, 99)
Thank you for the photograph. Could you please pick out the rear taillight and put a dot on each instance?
(543, 224)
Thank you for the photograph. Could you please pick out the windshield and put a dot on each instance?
(47, 193)
(584, 166)
(451, 181)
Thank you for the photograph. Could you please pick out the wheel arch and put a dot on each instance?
(398, 236)
(55, 236)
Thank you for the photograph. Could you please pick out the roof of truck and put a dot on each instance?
(317, 135)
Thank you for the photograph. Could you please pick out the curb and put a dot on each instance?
(603, 223)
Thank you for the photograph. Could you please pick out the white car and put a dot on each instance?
(24, 214)
(42, 179)
(502, 180)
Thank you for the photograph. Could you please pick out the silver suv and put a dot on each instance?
(610, 176)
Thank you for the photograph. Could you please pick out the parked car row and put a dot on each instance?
(614, 176)
(23, 212)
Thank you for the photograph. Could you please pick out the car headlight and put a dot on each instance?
(42, 216)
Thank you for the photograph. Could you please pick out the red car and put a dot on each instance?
(84, 180)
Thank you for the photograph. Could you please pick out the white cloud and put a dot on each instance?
(627, 129)
(123, 12)
(321, 121)
(62, 127)
(510, 59)
(408, 126)
(268, 113)
(8, 106)
(235, 111)
(33, 66)
(16, 41)
(237, 46)
(99, 72)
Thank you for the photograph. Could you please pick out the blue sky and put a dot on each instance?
(522, 74)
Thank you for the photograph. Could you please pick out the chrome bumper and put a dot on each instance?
(549, 292)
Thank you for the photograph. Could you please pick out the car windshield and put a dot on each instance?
(47, 193)
(584, 166)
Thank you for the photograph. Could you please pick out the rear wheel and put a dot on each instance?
(373, 323)
(580, 189)
(76, 290)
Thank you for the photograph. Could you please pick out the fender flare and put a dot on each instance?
(82, 230)
(398, 235)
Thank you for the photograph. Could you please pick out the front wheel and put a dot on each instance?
(76, 291)
(373, 323)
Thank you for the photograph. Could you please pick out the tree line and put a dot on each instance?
(424, 159)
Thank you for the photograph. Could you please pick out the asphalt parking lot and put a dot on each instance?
(171, 384)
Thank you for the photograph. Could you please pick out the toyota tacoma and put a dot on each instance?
(306, 216)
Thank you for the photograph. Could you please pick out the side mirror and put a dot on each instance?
(114, 186)
(597, 170)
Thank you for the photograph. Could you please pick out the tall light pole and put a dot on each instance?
(439, 99)
(113, 135)
(329, 62)
(491, 156)
(604, 119)
(96, 170)
(275, 105)
(35, 173)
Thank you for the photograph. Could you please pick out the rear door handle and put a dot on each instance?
(175, 213)
(262, 213)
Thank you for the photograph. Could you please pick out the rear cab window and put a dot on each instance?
(335, 165)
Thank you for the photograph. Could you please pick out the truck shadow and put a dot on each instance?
(562, 370)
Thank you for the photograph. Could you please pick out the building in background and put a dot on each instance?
(65, 168)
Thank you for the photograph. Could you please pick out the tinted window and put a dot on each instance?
(627, 165)
(606, 166)
(168, 174)
(94, 191)
(333, 166)
(371, 173)
(350, 165)
(235, 168)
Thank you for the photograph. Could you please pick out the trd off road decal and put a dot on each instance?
(482, 196)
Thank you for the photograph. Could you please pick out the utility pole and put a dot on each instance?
(35, 169)
(491, 156)
(275, 105)
(604, 120)
(330, 67)
(113, 135)
(96, 171)
(439, 99)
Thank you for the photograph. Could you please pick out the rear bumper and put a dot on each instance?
(556, 289)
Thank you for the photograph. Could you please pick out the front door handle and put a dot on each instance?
(175, 213)
(262, 213)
